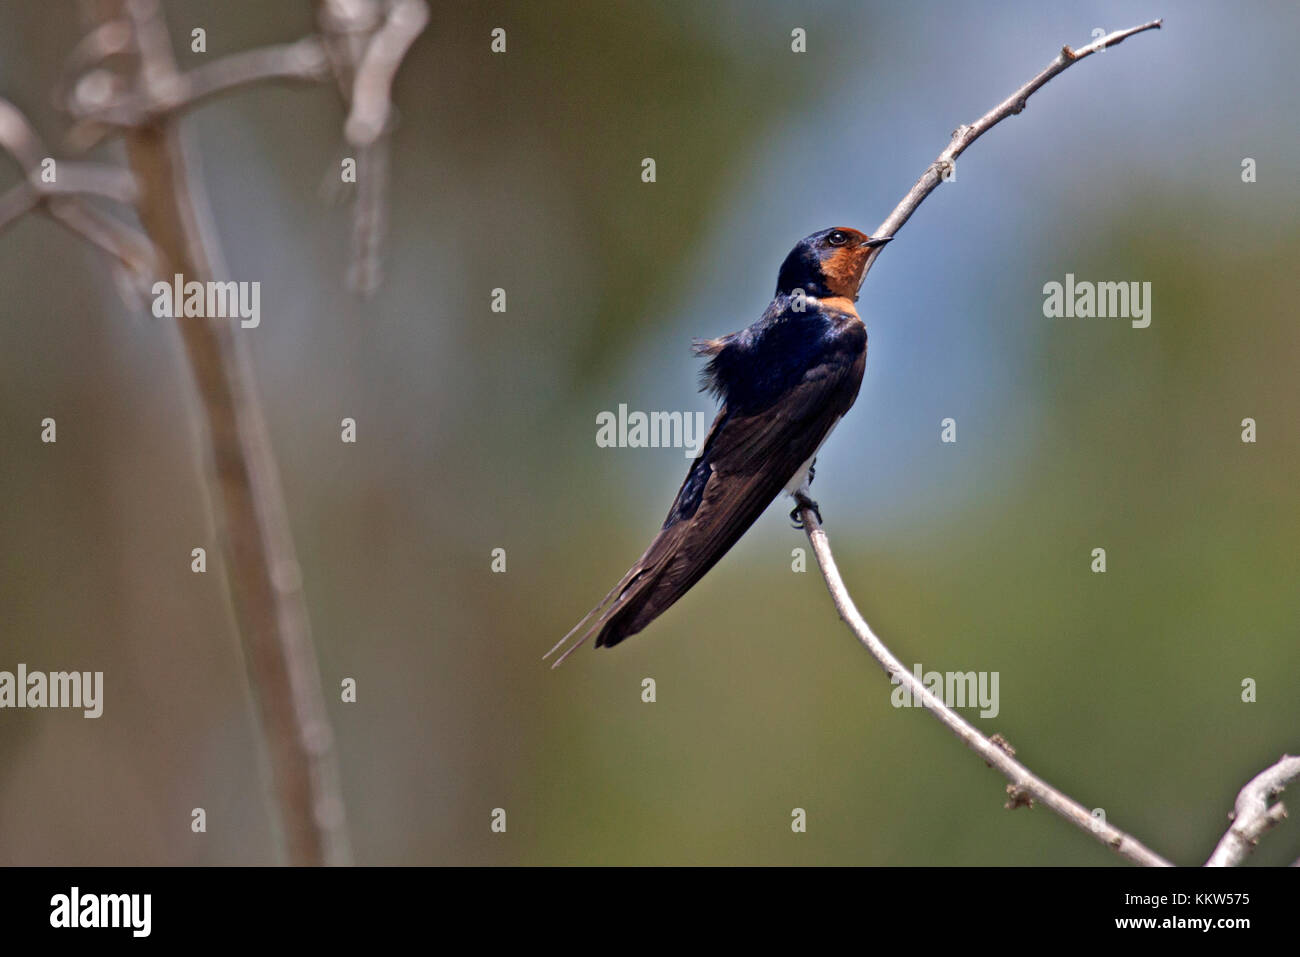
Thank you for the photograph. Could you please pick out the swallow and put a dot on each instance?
(783, 383)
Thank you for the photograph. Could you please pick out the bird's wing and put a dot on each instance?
(746, 462)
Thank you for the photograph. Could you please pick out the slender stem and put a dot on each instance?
(964, 136)
(261, 568)
(1024, 783)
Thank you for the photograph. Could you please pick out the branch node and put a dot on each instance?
(1018, 796)
(1004, 744)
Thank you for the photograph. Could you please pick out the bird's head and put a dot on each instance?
(828, 263)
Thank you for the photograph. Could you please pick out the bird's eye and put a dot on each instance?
(837, 238)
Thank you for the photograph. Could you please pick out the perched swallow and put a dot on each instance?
(784, 383)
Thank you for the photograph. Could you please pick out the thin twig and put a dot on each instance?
(110, 38)
(372, 87)
(261, 568)
(366, 43)
(1254, 813)
(1024, 783)
(964, 136)
(88, 179)
(60, 199)
(73, 179)
(346, 26)
(130, 247)
(18, 138)
(303, 61)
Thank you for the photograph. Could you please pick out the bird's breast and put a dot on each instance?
(838, 304)
(840, 315)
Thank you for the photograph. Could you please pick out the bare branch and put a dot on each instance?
(18, 138)
(108, 39)
(124, 243)
(372, 89)
(73, 179)
(369, 217)
(362, 43)
(303, 61)
(260, 564)
(346, 26)
(964, 136)
(1254, 814)
(1024, 784)
(89, 179)
(59, 197)
(365, 52)
(119, 240)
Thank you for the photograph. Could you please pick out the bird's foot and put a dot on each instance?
(803, 501)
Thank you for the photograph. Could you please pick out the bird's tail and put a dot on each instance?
(607, 607)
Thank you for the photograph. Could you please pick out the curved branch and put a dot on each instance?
(1025, 785)
(964, 136)
(1253, 814)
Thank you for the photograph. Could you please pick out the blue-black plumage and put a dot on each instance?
(784, 382)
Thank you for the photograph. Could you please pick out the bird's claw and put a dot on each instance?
(802, 504)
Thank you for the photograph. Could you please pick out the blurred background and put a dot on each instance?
(476, 431)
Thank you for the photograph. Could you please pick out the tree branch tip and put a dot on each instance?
(1125, 34)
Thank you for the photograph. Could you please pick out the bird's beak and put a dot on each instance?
(872, 243)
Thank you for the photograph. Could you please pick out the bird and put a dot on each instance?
(784, 383)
